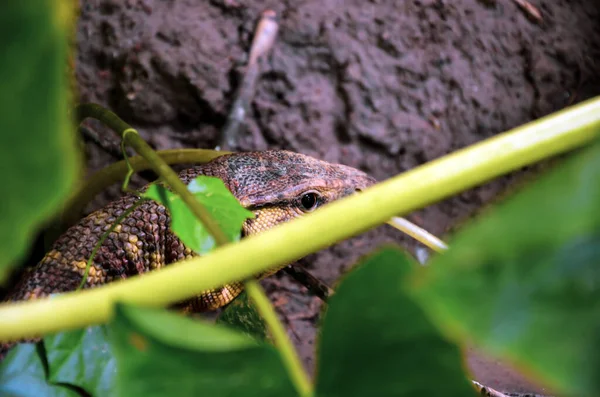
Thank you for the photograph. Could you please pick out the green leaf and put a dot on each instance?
(242, 315)
(37, 146)
(82, 358)
(376, 341)
(23, 374)
(159, 352)
(523, 283)
(216, 198)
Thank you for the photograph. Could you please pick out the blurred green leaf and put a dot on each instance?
(82, 358)
(524, 282)
(242, 315)
(23, 374)
(375, 341)
(216, 198)
(37, 146)
(159, 353)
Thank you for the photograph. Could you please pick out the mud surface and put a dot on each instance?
(380, 85)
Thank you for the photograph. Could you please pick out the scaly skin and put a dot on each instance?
(270, 183)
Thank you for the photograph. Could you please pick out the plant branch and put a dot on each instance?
(133, 139)
(282, 342)
(115, 172)
(418, 233)
(264, 36)
(417, 188)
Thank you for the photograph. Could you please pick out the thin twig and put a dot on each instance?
(530, 10)
(115, 172)
(264, 37)
(418, 233)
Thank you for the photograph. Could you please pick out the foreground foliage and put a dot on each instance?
(521, 282)
(36, 139)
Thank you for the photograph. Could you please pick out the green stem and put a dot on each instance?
(280, 337)
(133, 139)
(549, 136)
(115, 172)
(130, 169)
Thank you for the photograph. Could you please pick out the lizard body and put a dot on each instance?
(276, 185)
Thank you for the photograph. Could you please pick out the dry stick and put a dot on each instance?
(530, 10)
(264, 37)
(418, 233)
(261, 44)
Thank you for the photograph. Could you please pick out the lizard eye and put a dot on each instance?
(309, 201)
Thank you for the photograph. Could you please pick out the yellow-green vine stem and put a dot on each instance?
(115, 172)
(464, 169)
(133, 139)
(130, 169)
(280, 337)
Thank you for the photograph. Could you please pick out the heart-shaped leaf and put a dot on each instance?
(219, 202)
(23, 374)
(523, 282)
(82, 358)
(376, 341)
(159, 352)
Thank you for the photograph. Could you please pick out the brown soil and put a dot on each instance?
(380, 85)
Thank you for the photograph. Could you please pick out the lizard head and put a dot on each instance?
(278, 185)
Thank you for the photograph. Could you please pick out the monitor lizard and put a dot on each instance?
(276, 185)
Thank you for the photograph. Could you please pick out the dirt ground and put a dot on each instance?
(379, 85)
